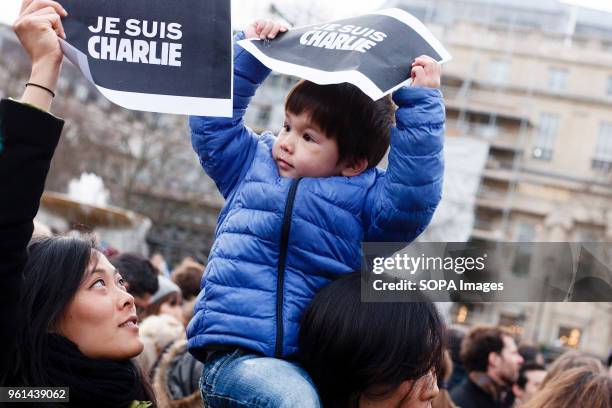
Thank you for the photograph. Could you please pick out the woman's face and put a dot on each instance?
(409, 394)
(101, 317)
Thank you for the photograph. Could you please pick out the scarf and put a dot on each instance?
(92, 382)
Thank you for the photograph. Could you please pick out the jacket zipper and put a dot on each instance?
(280, 278)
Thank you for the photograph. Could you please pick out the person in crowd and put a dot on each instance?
(582, 386)
(77, 324)
(300, 203)
(165, 358)
(141, 278)
(167, 300)
(454, 339)
(492, 361)
(158, 332)
(531, 354)
(531, 376)
(568, 360)
(159, 262)
(371, 355)
(176, 378)
(188, 276)
(444, 400)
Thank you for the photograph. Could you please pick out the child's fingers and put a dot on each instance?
(423, 60)
(418, 75)
(266, 29)
(275, 30)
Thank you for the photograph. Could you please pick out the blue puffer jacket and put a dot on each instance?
(280, 240)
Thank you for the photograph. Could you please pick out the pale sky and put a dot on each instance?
(244, 10)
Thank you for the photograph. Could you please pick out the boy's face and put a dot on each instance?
(303, 150)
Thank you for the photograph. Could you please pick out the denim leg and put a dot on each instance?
(239, 380)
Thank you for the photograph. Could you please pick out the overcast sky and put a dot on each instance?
(245, 10)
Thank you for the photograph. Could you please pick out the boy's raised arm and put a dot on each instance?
(402, 203)
(225, 146)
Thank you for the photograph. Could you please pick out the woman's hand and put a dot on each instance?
(264, 29)
(38, 27)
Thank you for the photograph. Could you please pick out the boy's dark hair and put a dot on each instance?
(139, 273)
(525, 368)
(360, 126)
(478, 343)
(351, 348)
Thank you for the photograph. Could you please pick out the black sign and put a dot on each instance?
(373, 51)
(155, 55)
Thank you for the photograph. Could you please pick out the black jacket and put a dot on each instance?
(469, 395)
(28, 138)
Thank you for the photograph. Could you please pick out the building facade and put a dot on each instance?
(533, 80)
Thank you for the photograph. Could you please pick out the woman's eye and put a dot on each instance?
(308, 138)
(122, 282)
(98, 284)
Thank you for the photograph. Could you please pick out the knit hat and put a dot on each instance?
(166, 286)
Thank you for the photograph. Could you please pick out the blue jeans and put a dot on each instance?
(239, 379)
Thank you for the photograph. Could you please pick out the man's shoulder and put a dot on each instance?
(469, 395)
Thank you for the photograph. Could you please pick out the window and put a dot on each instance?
(557, 79)
(544, 145)
(499, 71)
(602, 157)
(525, 233)
(569, 336)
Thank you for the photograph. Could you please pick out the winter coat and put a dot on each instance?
(28, 138)
(279, 240)
(176, 378)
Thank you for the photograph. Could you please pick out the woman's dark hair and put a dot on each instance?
(351, 347)
(52, 276)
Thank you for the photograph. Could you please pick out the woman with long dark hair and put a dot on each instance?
(69, 321)
(370, 355)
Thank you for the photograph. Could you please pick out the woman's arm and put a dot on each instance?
(38, 27)
(28, 137)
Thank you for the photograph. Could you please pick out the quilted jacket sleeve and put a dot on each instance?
(400, 206)
(225, 146)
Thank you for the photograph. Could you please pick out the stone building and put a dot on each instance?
(534, 81)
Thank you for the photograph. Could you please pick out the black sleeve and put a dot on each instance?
(28, 138)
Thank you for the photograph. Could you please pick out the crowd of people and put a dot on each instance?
(267, 322)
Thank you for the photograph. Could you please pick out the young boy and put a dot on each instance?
(298, 206)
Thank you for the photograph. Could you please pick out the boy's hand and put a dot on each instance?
(264, 29)
(426, 72)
